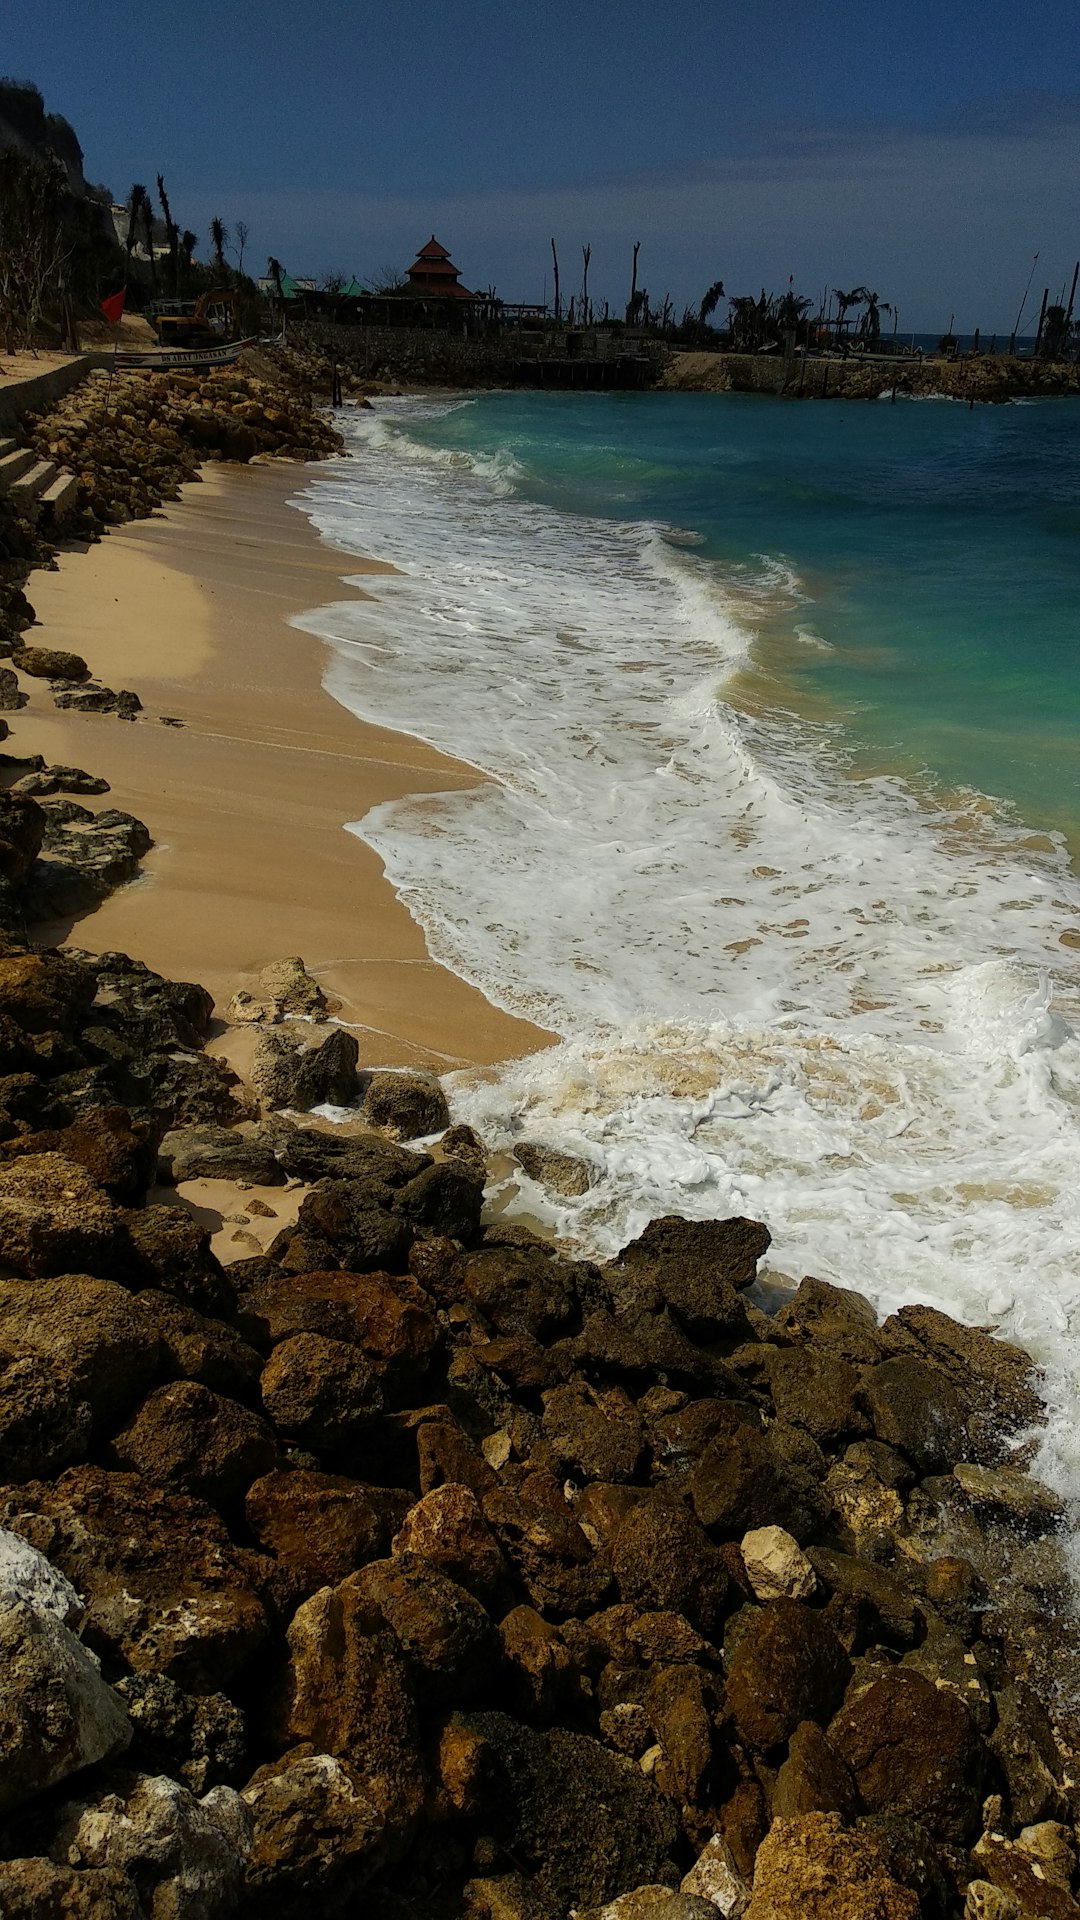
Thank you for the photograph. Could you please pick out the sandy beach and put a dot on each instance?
(248, 798)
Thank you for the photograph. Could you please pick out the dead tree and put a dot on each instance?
(632, 303)
(558, 302)
(586, 312)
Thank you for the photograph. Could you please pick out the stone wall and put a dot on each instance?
(43, 390)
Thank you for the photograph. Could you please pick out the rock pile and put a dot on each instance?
(133, 444)
(415, 1563)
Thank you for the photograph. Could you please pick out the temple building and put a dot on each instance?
(433, 275)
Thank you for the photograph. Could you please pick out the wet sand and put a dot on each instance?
(247, 800)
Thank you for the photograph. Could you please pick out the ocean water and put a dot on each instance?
(779, 716)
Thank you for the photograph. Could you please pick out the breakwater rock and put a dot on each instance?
(412, 1561)
(982, 378)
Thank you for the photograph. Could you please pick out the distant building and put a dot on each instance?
(433, 275)
(120, 222)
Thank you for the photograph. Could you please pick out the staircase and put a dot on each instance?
(35, 486)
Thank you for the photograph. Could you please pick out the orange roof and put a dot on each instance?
(434, 272)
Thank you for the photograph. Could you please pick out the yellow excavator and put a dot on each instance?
(210, 321)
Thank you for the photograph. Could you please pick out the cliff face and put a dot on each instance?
(25, 124)
(985, 378)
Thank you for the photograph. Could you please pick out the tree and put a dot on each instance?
(558, 302)
(172, 236)
(135, 201)
(710, 300)
(241, 234)
(843, 302)
(148, 235)
(632, 303)
(869, 327)
(188, 243)
(586, 311)
(36, 242)
(219, 240)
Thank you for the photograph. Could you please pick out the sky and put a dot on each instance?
(927, 151)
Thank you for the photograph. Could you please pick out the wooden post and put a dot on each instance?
(633, 286)
(558, 303)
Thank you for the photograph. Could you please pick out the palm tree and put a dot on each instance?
(135, 201)
(188, 243)
(240, 235)
(870, 323)
(219, 240)
(148, 236)
(843, 302)
(710, 300)
(173, 237)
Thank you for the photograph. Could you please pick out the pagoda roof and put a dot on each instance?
(431, 250)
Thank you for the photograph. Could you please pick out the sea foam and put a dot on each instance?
(828, 1002)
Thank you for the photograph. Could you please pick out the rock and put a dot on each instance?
(654, 1903)
(743, 1475)
(52, 663)
(341, 1215)
(1035, 1885)
(715, 1877)
(187, 1855)
(451, 1649)
(696, 1267)
(816, 1391)
(22, 830)
(776, 1566)
(42, 992)
(285, 1075)
(996, 1382)
(377, 1164)
(200, 1740)
(45, 1423)
(58, 779)
(540, 1792)
(594, 1432)
(446, 1199)
(1025, 1749)
(219, 1153)
(912, 1749)
(447, 1529)
(784, 1664)
(681, 1703)
(25, 1574)
(314, 1827)
(813, 1778)
(85, 1330)
(39, 1890)
(54, 1218)
(56, 1713)
(165, 1589)
(318, 1391)
(11, 697)
(410, 1106)
(914, 1407)
(834, 1319)
(319, 1527)
(563, 1173)
(555, 1562)
(867, 1603)
(186, 1437)
(389, 1320)
(1014, 1497)
(661, 1558)
(810, 1869)
(984, 1901)
(192, 1346)
(285, 991)
(346, 1692)
(117, 1152)
(522, 1289)
(166, 1249)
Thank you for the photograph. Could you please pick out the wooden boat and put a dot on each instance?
(196, 360)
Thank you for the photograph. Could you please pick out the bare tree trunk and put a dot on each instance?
(633, 286)
(586, 255)
(558, 302)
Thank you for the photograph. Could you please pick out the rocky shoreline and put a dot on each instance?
(410, 1566)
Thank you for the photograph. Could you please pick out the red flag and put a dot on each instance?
(113, 307)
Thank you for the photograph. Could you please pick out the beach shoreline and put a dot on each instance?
(248, 798)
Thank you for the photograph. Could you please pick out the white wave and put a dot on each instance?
(778, 990)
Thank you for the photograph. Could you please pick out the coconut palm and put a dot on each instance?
(219, 240)
(172, 235)
(135, 201)
(710, 300)
(870, 320)
(843, 302)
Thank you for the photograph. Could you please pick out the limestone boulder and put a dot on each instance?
(389, 1318)
(314, 1826)
(452, 1650)
(45, 1422)
(594, 1432)
(319, 1527)
(286, 1075)
(186, 1855)
(557, 1564)
(55, 1219)
(811, 1869)
(914, 1406)
(833, 1319)
(196, 1346)
(219, 1153)
(746, 1477)
(562, 1173)
(447, 1529)
(715, 1877)
(662, 1558)
(199, 1739)
(697, 1268)
(284, 990)
(320, 1392)
(912, 1748)
(409, 1106)
(52, 663)
(37, 1889)
(115, 1150)
(346, 1692)
(42, 992)
(783, 1664)
(446, 1199)
(813, 1777)
(816, 1390)
(997, 1383)
(56, 1713)
(165, 1588)
(776, 1566)
(85, 1330)
(167, 1249)
(360, 1235)
(186, 1437)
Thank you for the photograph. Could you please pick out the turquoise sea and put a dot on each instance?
(777, 711)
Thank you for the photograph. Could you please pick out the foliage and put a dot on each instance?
(37, 240)
(710, 300)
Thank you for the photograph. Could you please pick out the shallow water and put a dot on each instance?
(742, 676)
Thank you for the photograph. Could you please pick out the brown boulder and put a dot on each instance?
(681, 1703)
(22, 830)
(913, 1749)
(815, 1390)
(744, 1480)
(186, 1437)
(166, 1248)
(410, 1106)
(362, 1235)
(286, 1075)
(319, 1527)
(522, 1289)
(593, 1431)
(38, 1889)
(191, 1346)
(52, 663)
(55, 1219)
(813, 1778)
(56, 1713)
(914, 1407)
(346, 1691)
(662, 1559)
(446, 1199)
(810, 1869)
(117, 1152)
(452, 1651)
(447, 1529)
(389, 1319)
(996, 1381)
(833, 1318)
(318, 1391)
(85, 1329)
(539, 1665)
(45, 1423)
(784, 1664)
(555, 1562)
(314, 1826)
(165, 1588)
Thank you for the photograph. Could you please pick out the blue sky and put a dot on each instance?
(926, 150)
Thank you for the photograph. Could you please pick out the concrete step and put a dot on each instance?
(59, 498)
(32, 484)
(14, 465)
(6, 446)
